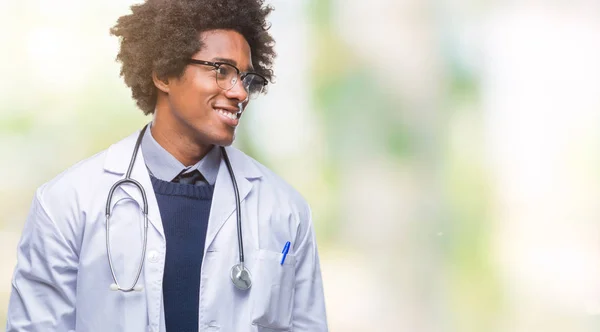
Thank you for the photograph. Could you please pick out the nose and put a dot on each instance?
(237, 92)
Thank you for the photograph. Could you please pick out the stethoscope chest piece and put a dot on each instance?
(240, 276)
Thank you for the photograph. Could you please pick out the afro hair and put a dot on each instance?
(160, 35)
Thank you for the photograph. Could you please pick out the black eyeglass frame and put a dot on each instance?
(216, 65)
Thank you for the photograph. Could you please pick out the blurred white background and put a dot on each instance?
(449, 149)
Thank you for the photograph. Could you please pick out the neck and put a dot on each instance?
(178, 141)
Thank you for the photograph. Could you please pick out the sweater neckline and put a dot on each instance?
(162, 187)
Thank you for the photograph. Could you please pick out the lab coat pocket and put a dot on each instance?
(273, 291)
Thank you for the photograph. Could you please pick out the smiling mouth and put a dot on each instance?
(232, 116)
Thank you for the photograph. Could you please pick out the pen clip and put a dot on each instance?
(285, 251)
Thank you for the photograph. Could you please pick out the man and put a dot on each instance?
(195, 65)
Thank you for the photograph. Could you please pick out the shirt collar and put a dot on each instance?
(162, 165)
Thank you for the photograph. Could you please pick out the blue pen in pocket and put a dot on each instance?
(285, 251)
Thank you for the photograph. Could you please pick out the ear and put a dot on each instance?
(161, 84)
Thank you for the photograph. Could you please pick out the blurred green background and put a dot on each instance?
(449, 149)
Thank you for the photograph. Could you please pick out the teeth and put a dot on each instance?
(227, 114)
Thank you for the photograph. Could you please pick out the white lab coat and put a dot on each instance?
(61, 281)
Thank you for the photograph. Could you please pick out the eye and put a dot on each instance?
(224, 70)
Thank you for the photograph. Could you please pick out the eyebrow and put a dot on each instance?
(231, 62)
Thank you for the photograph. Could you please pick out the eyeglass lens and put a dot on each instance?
(227, 77)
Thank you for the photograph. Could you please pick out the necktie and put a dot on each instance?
(193, 177)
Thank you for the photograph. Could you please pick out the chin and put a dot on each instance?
(203, 135)
(225, 140)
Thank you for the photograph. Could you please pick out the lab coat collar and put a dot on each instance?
(223, 205)
(117, 162)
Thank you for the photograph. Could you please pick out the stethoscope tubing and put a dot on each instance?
(128, 180)
(237, 206)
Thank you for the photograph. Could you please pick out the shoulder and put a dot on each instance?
(272, 183)
(63, 199)
(78, 180)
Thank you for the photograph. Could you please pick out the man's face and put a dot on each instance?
(196, 104)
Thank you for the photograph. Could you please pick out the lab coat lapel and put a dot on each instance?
(223, 204)
(117, 161)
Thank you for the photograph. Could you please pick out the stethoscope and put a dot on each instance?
(240, 276)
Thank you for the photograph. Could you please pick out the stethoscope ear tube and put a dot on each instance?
(134, 286)
(237, 205)
(116, 286)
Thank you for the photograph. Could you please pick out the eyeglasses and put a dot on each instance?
(228, 74)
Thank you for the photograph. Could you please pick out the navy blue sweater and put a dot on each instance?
(184, 209)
